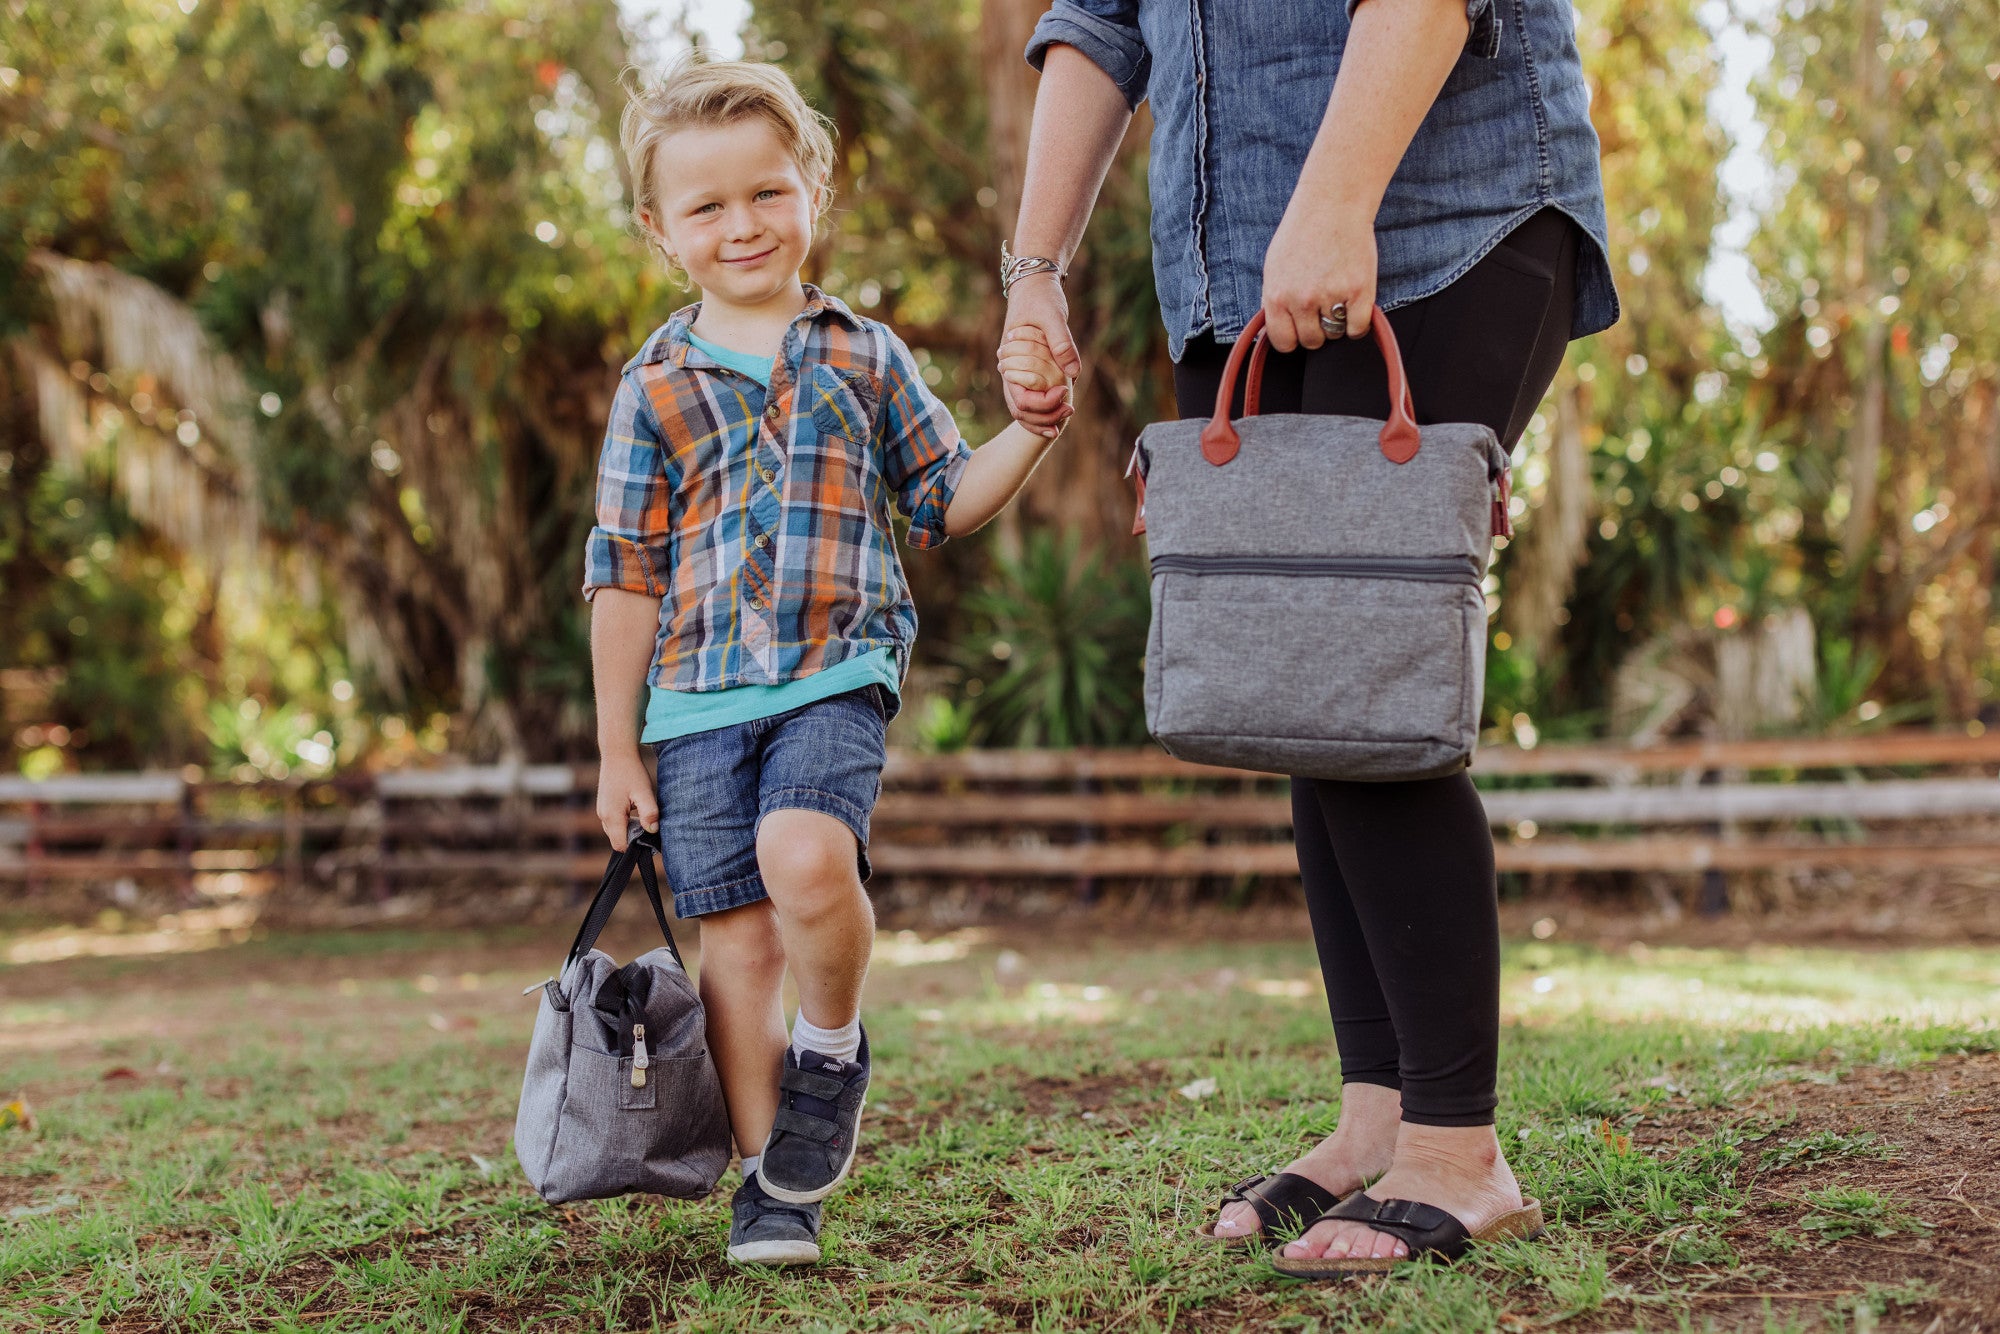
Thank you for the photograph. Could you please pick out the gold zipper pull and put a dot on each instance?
(639, 1058)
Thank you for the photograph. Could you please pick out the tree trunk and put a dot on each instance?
(1541, 568)
(1079, 485)
(1864, 446)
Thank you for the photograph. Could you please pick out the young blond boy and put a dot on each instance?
(744, 580)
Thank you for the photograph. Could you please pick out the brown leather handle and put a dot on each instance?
(1400, 435)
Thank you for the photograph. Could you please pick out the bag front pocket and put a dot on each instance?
(1319, 648)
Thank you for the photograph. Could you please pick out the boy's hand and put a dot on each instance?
(1025, 360)
(625, 790)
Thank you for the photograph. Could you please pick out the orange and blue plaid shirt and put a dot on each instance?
(761, 519)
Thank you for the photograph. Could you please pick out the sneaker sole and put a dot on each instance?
(775, 1253)
(777, 1192)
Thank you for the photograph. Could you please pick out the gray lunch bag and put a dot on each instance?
(620, 1094)
(1317, 608)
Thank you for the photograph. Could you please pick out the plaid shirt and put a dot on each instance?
(762, 519)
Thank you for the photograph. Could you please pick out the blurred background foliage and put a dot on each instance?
(312, 310)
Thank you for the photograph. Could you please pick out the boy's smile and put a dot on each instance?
(737, 212)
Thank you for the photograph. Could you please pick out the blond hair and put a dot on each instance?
(694, 90)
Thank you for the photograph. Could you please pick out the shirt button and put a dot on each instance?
(764, 473)
(763, 541)
(774, 412)
(757, 602)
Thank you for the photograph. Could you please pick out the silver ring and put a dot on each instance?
(1333, 323)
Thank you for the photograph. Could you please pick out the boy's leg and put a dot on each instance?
(742, 985)
(822, 773)
(810, 867)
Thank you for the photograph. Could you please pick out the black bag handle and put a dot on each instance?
(639, 850)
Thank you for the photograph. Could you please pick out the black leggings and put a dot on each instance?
(1399, 876)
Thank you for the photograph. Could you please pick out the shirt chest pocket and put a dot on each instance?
(844, 403)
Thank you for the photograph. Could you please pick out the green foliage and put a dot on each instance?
(1839, 1212)
(403, 222)
(1054, 650)
(1875, 252)
(1823, 1146)
(89, 600)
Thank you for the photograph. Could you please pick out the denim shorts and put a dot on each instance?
(716, 787)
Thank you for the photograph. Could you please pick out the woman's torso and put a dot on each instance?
(1238, 92)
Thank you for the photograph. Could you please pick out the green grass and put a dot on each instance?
(317, 1139)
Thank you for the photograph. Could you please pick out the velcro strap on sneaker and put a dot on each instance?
(808, 1127)
(813, 1083)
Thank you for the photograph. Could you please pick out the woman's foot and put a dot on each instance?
(1460, 1169)
(1359, 1149)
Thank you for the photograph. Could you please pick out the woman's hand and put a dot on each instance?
(1320, 257)
(1037, 304)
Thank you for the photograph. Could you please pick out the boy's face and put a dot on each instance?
(735, 209)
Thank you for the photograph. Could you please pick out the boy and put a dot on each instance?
(744, 578)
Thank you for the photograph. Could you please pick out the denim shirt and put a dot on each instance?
(1239, 90)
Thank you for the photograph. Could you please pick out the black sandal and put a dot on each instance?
(1424, 1228)
(1280, 1200)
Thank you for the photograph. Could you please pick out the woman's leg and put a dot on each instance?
(1359, 1148)
(1418, 857)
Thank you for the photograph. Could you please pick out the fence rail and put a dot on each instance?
(1893, 800)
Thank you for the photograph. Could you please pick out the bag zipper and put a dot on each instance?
(639, 1058)
(1417, 569)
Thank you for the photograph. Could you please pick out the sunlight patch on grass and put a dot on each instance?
(1770, 988)
(176, 933)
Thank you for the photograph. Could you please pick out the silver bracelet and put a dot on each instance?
(1015, 267)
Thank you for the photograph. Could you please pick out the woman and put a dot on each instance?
(1313, 158)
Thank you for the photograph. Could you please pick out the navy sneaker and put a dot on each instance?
(764, 1231)
(819, 1114)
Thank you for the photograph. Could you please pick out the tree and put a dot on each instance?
(1880, 253)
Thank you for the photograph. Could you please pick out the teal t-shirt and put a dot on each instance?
(757, 368)
(675, 713)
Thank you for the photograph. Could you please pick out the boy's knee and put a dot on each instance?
(809, 863)
(743, 941)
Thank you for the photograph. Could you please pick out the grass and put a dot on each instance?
(311, 1133)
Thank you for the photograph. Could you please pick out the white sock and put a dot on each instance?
(750, 1165)
(843, 1043)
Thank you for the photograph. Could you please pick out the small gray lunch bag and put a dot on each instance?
(1317, 607)
(620, 1094)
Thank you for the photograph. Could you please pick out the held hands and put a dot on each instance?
(1319, 258)
(1038, 309)
(625, 792)
(1033, 376)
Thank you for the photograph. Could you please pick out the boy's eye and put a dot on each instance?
(706, 208)
(769, 193)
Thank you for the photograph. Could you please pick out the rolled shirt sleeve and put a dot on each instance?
(923, 453)
(1107, 32)
(628, 548)
(1483, 40)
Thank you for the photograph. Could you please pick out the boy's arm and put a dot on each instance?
(626, 562)
(623, 626)
(993, 476)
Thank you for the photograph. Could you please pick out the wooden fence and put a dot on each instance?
(1892, 801)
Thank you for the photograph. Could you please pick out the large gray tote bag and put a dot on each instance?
(1317, 608)
(620, 1094)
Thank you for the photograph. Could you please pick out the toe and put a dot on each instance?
(1313, 1244)
(1238, 1220)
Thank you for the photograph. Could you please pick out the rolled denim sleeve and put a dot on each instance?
(628, 548)
(1107, 32)
(923, 454)
(1484, 38)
